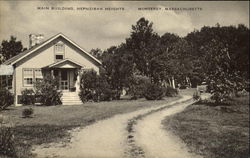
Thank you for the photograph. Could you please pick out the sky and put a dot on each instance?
(105, 28)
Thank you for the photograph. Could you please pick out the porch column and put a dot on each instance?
(52, 73)
(77, 84)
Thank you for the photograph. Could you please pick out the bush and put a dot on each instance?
(153, 92)
(6, 99)
(7, 147)
(103, 90)
(170, 91)
(87, 85)
(219, 97)
(47, 91)
(95, 87)
(137, 86)
(27, 112)
(28, 97)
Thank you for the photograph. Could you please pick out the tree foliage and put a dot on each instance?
(96, 53)
(213, 54)
(222, 55)
(10, 48)
(119, 67)
(143, 44)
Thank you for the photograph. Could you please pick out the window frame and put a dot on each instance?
(56, 46)
(24, 84)
(60, 58)
(60, 52)
(6, 81)
(10, 81)
(33, 77)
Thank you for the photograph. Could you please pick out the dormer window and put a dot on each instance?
(59, 51)
(59, 47)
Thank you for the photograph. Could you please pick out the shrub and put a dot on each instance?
(87, 85)
(170, 91)
(27, 112)
(242, 93)
(6, 99)
(103, 91)
(153, 92)
(137, 86)
(47, 91)
(219, 97)
(7, 147)
(95, 87)
(28, 97)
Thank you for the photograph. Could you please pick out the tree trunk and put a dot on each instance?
(170, 83)
(173, 84)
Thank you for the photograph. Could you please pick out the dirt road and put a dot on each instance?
(155, 141)
(109, 138)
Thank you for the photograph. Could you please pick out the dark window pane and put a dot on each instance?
(64, 75)
(59, 56)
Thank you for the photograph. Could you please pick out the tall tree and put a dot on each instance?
(143, 44)
(223, 57)
(235, 39)
(10, 48)
(221, 74)
(118, 65)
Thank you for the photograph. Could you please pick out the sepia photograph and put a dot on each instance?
(124, 79)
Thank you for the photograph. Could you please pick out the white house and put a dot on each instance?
(58, 56)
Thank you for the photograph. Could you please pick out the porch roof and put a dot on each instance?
(65, 63)
(6, 70)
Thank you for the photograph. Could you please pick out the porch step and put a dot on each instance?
(71, 103)
(70, 98)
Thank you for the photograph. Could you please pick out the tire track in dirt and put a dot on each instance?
(134, 150)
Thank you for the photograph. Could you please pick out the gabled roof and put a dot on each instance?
(64, 61)
(26, 53)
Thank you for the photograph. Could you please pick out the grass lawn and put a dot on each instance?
(220, 131)
(51, 123)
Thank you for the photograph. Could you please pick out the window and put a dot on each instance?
(38, 75)
(27, 77)
(3, 83)
(6, 81)
(31, 75)
(59, 51)
(9, 81)
(64, 75)
(59, 57)
(59, 47)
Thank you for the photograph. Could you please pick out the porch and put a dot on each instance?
(67, 74)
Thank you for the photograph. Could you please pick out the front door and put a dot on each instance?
(64, 83)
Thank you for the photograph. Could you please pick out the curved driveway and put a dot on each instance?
(108, 138)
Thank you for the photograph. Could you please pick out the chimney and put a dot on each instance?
(35, 39)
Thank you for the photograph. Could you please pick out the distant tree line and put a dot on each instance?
(218, 55)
